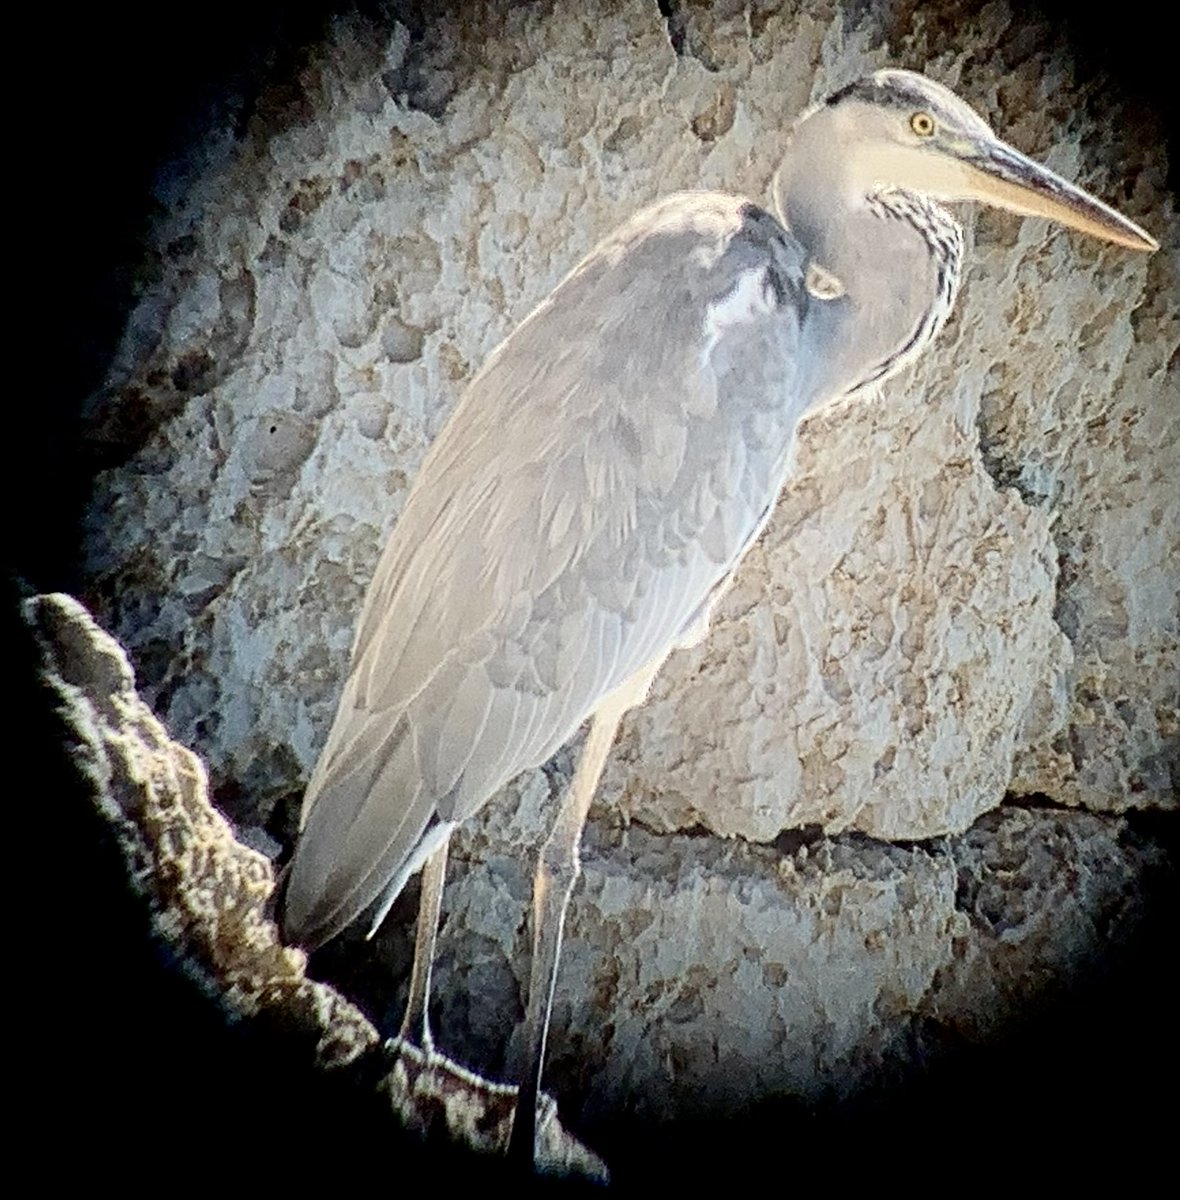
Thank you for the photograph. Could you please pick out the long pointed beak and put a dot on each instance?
(997, 174)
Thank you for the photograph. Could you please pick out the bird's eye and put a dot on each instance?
(922, 124)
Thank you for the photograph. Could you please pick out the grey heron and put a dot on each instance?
(594, 490)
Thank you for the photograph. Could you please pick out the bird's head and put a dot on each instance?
(899, 130)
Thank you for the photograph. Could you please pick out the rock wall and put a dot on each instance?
(967, 592)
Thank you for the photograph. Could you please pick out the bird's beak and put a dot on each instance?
(999, 175)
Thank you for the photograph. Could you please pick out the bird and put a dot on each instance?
(595, 488)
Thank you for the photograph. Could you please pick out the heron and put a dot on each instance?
(594, 490)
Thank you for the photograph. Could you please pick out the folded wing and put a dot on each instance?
(572, 524)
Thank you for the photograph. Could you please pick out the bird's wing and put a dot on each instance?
(591, 492)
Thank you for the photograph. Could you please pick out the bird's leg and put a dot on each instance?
(558, 868)
(416, 1023)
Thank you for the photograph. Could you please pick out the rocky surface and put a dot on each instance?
(698, 974)
(968, 591)
(728, 973)
(208, 898)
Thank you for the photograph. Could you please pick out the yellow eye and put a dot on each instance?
(922, 124)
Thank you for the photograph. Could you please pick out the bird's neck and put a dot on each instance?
(897, 257)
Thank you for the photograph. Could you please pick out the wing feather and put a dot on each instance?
(490, 764)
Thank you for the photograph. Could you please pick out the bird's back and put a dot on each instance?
(591, 492)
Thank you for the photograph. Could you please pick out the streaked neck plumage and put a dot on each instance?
(896, 255)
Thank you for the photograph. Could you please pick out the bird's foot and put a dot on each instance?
(423, 1046)
(434, 1095)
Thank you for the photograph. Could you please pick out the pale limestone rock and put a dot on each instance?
(207, 894)
(698, 976)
